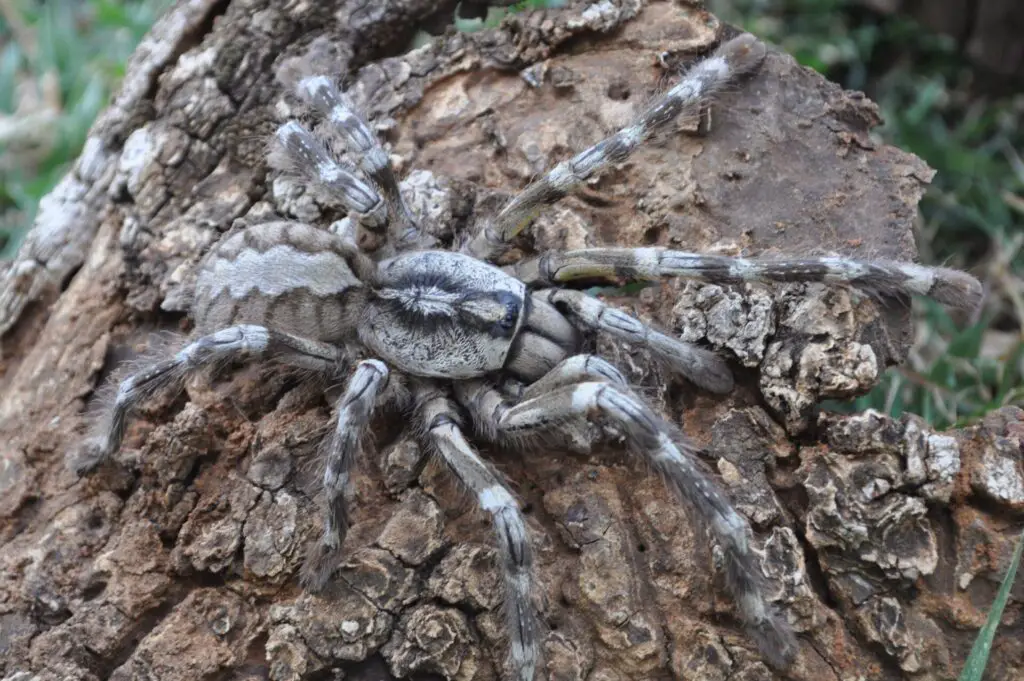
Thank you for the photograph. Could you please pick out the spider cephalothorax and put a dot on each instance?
(456, 332)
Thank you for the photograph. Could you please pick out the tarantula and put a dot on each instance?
(448, 332)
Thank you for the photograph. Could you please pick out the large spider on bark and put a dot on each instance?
(466, 344)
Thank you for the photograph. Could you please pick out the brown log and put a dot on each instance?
(884, 540)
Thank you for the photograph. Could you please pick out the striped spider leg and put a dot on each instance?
(888, 279)
(584, 387)
(730, 61)
(440, 418)
(370, 192)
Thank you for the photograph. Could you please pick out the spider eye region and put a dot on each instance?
(511, 318)
(496, 312)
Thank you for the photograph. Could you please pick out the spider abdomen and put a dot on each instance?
(286, 276)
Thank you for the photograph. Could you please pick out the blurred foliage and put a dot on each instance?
(60, 60)
(495, 14)
(935, 104)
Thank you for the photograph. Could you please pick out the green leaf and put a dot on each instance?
(10, 58)
(1011, 377)
(968, 342)
(976, 661)
(112, 14)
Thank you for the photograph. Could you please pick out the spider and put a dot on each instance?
(449, 334)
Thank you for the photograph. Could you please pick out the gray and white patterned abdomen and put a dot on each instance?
(286, 276)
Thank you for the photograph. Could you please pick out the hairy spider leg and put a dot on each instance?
(702, 367)
(245, 341)
(337, 108)
(672, 455)
(297, 151)
(484, 403)
(878, 277)
(731, 60)
(575, 369)
(352, 416)
(445, 436)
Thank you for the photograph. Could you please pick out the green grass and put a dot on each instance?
(60, 60)
(974, 667)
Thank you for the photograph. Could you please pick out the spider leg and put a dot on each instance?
(674, 457)
(323, 95)
(353, 412)
(298, 151)
(575, 369)
(703, 367)
(484, 402)
(234, 342)
(444, 435)
(882, 277)
(732, 59)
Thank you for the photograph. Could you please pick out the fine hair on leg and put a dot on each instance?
(347, 128)
(245, 341)
(438, 415)
(672, 455)
(352, 416)
(882, 278)
(728, 62)
(702, 367)
(297, 151)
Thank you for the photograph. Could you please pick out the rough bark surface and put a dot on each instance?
(884, 541)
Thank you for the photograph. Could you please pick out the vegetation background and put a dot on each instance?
(60, 60)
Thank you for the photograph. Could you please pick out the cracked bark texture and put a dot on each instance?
(883, 541)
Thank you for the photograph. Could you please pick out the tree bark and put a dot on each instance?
(884, 542)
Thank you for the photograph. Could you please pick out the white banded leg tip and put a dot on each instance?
(87, 457)
(743, 53)
(321, 561)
